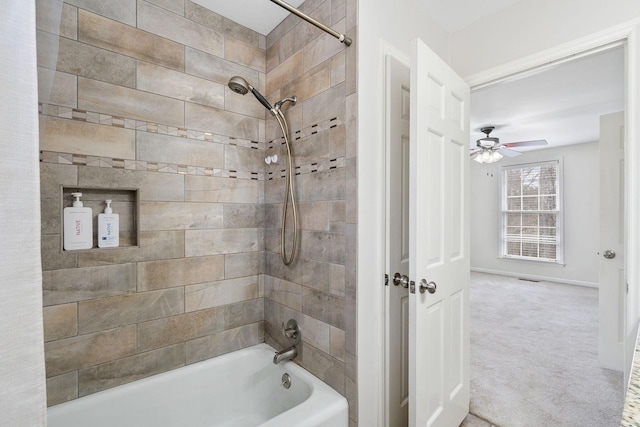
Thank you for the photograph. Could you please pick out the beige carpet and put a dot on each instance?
(534, 356)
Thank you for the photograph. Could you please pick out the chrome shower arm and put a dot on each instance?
(344, 39)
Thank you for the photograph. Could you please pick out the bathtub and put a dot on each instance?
(239, 389)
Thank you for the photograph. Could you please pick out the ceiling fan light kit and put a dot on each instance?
(488, 156)
(490, 150)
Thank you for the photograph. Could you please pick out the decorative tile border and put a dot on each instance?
(142, 165)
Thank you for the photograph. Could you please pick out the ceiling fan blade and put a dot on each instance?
(526, 143)
(474, 151)
(508, 153)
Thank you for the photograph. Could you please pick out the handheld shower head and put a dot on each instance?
(241, 86)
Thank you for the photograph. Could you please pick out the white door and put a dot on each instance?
(397, 298)
(612, 287)
(439, 243)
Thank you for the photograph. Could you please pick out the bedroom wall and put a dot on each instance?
(581, 217)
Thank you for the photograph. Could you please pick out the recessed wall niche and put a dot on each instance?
(124, 202)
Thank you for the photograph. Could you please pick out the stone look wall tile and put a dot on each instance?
(50, 217)
(204, 16)
(175, 6)
(243, 215)
(114, 36)
(69, 136)
(215, 294)
(79, 352)
(217, 69)
(243, 264)
(244, 288)
(220, 190)
(174, 27)
(245, 54)
(337, 343)
(325, 367)
(129, 369)
(243, 159)
(58, 88)
(171, 330)
(325, 106)
(120, 10)
(95, 63)
(102, 314)
(325, 307)
(174, 84)
(180, 216)
(281, 75)
(62, 388)
(316, 333)
(62, 22)
(207, 119)
(224, 241)
(214, 345)
(53, 258)
(60, 321)
(179, 272)
(153, 186)
(243, 313)
(283, 292)
(116, 100)
(80, 284)
(158, 148)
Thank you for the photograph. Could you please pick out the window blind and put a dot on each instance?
(531, 228)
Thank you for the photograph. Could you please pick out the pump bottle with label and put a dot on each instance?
(78, 226)
(108, 228)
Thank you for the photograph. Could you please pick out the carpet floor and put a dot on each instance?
(534, 356)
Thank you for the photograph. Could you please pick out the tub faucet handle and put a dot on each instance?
(291, 330)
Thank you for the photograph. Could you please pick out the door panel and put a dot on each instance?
(612, 286)
(397, 297)
(439, 246)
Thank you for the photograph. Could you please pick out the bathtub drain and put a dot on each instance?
(286, 380)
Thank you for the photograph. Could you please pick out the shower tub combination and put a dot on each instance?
(239, 389)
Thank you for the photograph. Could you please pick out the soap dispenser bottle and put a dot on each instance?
(78, 226)
(108, 228)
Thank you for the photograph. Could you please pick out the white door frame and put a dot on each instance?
(371, 255)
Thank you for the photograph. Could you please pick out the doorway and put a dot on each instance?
(389, 332)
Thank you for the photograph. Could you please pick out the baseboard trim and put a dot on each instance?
(535, 277)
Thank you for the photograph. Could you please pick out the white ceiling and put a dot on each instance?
(259, 15)
(560, 104)
(453, 15)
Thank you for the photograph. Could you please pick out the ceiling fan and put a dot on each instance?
(489, 149)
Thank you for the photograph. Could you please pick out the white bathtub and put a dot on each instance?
(238, 389)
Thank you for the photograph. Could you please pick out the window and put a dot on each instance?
(531, 212)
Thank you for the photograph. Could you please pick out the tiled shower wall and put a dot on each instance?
(133, 95)
(319, 289)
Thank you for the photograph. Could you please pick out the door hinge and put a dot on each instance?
(386, 279)
(412, 287)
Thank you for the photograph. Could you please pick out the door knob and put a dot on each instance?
(401, 279)
(427, 286)
(609, 254)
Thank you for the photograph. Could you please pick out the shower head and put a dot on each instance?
(241, 86)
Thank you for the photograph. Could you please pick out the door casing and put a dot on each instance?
(371, 303)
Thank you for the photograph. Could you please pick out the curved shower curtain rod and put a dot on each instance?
(344, 39)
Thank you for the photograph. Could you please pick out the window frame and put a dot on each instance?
(559, 212)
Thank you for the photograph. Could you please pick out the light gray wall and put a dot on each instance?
(22, 386)
(581, 216)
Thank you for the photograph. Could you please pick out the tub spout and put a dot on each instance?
(287, 354)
